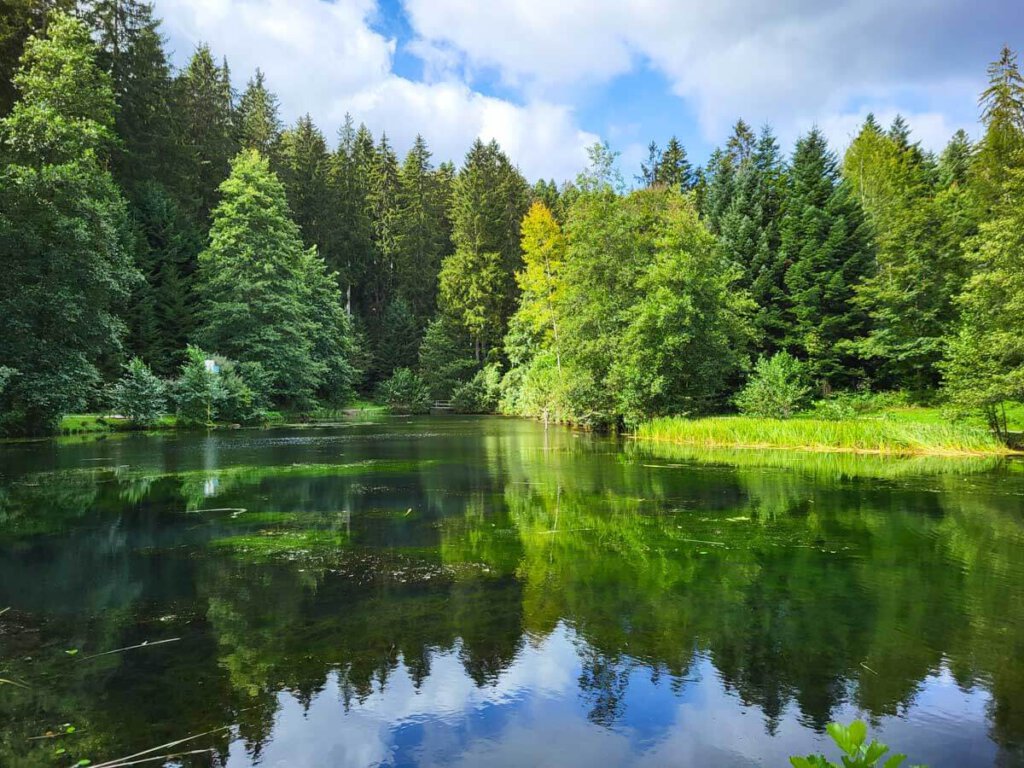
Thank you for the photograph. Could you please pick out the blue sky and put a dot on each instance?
(548, 77)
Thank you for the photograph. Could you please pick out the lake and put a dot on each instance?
(485, 592)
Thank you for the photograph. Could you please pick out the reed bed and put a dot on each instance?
(861, 435)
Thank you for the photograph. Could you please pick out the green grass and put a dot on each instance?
(93, 423)
(861, 435)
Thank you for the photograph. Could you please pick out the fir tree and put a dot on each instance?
(673, 168)
(259, 126)
(252, 284)
(348, 175)
(1002, 114)
(826, 243)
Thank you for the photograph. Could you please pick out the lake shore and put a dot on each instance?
(880, 436)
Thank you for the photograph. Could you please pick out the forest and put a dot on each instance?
(171, 248)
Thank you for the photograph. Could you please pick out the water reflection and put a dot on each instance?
(484, 592)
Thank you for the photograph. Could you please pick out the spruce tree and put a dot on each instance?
(424, 237)
(353, 235)
(488, 203)
(252, 284)
(205, 125)
(259, 126)
(826, 243)
(751, 237)
(305, 173)
(1002, 114)
(908, 294)
(673, 168)
(64, 237)
(382, 199)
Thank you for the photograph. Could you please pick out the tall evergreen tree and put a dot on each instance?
(908, 294)
(348, 180)
(649, 170)
(252, 284)
(259, 126)
(673, 168)
(382, 199)
(1002, 114)
(63, 230)
(19, 20)
(488, 203)
(826, 243)
(205, 126)
(751, 237)
(424, 234)
(305, 173)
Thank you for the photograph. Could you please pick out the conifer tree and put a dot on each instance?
(673, 168)
(252, 284)
(488, 203)
(305, 173)
(826, 243)
(424, 237)
(259, 126)
(908, 294)
(649, 170)
(1002, 114)
(205, 127)
(348, 176)
(751, 237)
(64, 239)
(383, 200)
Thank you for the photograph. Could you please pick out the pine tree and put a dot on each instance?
(424, 233)
(259, 126)
(64, 237)
(751, 237)
(399, 339)
(673, 168)
(252, 284)
(826, 243)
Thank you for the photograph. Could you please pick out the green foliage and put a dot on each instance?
(399, 339)
(445, 359)
(643, 304)
(825, 240)
(198, 391)
(64, 237)
(776, 389)
(856, 754)
(477, 288)
(265, 299)
(985, 364)
(404, 392)
(481, 394)
(259, 126)
(139, 395)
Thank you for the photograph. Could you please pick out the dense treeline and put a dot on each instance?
(159, 217)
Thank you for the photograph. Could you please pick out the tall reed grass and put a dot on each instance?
(864, 435)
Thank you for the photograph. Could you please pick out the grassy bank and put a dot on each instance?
(92, 423)
(858, 435)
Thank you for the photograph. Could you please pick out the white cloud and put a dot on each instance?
(326, 59)
(789, 63)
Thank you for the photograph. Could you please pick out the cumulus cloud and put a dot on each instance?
(326, 58)
(791, 62)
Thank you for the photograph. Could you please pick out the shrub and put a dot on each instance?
(404, 392)
(198, 391)
(139, 395)
(480, 394)
(776, 389)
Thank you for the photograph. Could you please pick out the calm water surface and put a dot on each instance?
(481, 592)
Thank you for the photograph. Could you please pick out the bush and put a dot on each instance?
(139, 395)
(404, 392)
(198, 390)
(776, 390)
(480, 394)
(245, 392)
